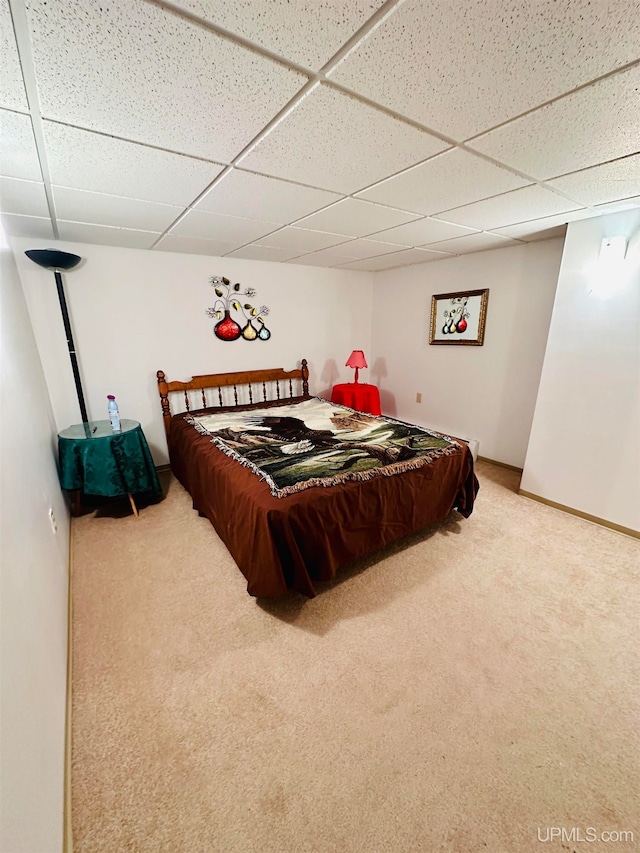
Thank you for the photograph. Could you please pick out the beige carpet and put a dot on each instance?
(466, 692)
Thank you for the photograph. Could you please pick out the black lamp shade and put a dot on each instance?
(53, 259)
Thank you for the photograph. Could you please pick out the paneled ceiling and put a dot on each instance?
(356, 134)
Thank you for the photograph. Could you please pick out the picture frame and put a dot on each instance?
(459, 318)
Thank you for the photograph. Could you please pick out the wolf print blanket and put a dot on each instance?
(317, 443)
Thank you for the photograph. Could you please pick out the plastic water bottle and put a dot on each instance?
(114, 413)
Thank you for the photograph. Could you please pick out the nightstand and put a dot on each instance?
(98, 461)
(357, 395)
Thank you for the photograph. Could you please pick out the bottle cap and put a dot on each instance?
(110, 397)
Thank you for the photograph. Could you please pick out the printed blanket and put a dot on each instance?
(317, 443)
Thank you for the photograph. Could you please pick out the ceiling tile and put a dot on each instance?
(451, 179)
(19, 154)
(361, 248)
(355, 218)
(422, 232)
(473, 243)
(324, 258)
(544, 234)
(321, 143)
(304, 31)
(100, 209)
(27, 226)
(302, 239)
(616, 206)
(226, 229)
(438, 62)
(103, 235)
(517, 206)
(194, 246)
(258, 197)
(132, 69)
(602, 184)
(90, 161)
(256, 252)
(395, 259)
(25, 197)
(12, 93)
(538, 229)
(596, 124)
(352, 251)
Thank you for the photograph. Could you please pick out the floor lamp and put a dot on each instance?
(53, 259)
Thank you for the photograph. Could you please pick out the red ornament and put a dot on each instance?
(227, 329)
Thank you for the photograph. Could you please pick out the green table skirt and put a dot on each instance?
(108, 464)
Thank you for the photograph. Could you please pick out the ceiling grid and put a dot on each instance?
(356, 134)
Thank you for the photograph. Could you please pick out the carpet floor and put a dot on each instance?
(474, 688)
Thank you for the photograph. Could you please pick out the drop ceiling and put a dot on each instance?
(356, 134)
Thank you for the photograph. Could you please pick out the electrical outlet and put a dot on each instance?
(418, 397)
(52, 519)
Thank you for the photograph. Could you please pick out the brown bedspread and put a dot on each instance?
(288, 543)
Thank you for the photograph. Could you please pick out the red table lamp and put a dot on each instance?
(357, 360)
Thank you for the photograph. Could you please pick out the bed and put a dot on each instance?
(287, 535)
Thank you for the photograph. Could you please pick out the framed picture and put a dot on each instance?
(459, 318)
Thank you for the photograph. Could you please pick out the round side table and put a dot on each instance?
(98, 461)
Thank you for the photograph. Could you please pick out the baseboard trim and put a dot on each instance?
(500, 464)
(67, 826)
(627, 531)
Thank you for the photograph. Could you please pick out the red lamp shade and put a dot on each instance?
(357, 360)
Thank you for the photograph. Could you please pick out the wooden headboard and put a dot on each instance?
(246, 384)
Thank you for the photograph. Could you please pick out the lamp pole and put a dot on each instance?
(53, 259)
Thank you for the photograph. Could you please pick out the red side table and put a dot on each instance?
(357, 395)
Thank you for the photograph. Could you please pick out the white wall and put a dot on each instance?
(486, 393)
(134, 312)
(34, 585)
(584, 450)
